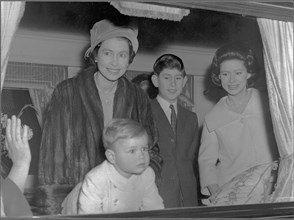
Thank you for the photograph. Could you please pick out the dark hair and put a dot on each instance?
(235, 50)
(152, 91)
(132, 54)
(168, 61)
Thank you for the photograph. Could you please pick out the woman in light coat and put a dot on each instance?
(237, 132)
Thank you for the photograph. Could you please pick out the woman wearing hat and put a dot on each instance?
(80, 107)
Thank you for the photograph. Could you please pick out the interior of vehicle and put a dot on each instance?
(49, 40)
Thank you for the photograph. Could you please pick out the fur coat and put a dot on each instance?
(72, 134)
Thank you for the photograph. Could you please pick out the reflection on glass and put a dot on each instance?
(196, 38)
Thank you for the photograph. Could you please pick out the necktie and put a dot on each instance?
(173, 118)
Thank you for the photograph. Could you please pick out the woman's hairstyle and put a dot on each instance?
(168, 61)
(93, 54)
(143, 78)
(235, 50)
(118, 129)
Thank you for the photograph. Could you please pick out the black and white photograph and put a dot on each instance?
(147, 109)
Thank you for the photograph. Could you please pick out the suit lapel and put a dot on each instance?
(181, 123)
(162, 120)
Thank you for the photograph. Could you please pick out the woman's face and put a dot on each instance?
(113, 58)
(233, 76)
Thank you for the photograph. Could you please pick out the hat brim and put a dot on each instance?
(114, 33)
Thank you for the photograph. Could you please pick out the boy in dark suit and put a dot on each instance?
(178, 134)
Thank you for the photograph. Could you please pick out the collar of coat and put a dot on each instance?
(220, 115)
(129, 101)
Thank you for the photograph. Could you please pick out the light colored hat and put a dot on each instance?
(104, 30)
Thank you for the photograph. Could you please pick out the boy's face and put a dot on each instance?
(113, 58)
(170, 84)
(130, 156)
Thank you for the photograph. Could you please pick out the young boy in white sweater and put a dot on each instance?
(124, 182)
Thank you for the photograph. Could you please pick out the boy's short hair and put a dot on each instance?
(168, 61)
(121, 128)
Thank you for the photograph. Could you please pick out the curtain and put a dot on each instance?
(11, 13)
(277, 37)
(49, 76)
(146, 10)
(40, 79)
(40, 99)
